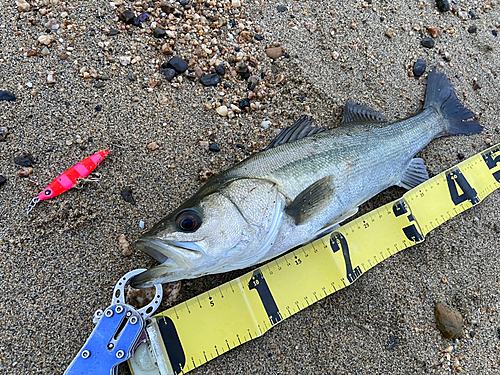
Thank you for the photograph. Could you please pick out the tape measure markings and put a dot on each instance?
(240, 310)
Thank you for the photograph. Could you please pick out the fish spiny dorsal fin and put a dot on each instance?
(354, 112)
(301, 129)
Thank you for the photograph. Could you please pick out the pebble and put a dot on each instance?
(45, 51)
(213, 147)
(265, 124)
(24, 160)
(3, 133)
(419, 67)
(222, 110)
(142, 224)
(282, 8)
(113, 32)
(169, 74)
(428, 42)
(494, 32)
(434, 31)
(51, 79)
(335, 55)
(127, 195)
(205, 174)
(460, 156)
(45, 39)
(274, 52)
(7, 96)
(235, 3)
(210, 79)
(178, 64)
(125, 245)
(3, 180)
(25, 172)
(127, 16)
(244, 103)
(125, 60)
(32, 52)
(472, 29)
(449, 321)
(159, 33)
(476, 86)
(166, 49)
(153, 146)
(280, 78)
(166, 7)
(204, 144)
(443, 5)
(389, 32)
(487, 141)
(99, 85)
(23, 6)
(220, 70)
(258, 37)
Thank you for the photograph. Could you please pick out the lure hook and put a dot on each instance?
(32, 205)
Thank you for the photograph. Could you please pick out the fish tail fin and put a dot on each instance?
(441, 96)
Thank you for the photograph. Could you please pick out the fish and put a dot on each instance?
(69, 178)
(301, 187)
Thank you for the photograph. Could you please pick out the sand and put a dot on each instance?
(60, 265)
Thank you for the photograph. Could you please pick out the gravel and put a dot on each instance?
(61, 264)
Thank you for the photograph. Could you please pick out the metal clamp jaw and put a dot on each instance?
(119, 330)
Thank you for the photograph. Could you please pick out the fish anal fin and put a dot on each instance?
(358, 113)
(414, 175)
(301, 129)
(312, 201)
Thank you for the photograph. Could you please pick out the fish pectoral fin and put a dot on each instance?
(414, 175)
(354, 112)
(301, 129)
(312, 201)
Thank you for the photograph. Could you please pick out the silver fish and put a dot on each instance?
(306, 182)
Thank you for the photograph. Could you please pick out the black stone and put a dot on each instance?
(237, 49)
(127, 195)
(7, 96)
(99, 85)
(419, 68)
(443, 5)
(220, 70)
(113, 32)
(184, 2)
(169, 74)
(232, 23)
(24, 160)
(282, 8)
(472, 29)
(213, 147)
(239, 145)
(67, 104)
(98, 108)
(127, 16)
(460, 156)
(159, 33)
(287, 56)
(428, 42)
(226, 85)
(210, 79)
(3, 180)
(244, 103)
(244, 72)
(136, 22)
(258, 37)
(131, 76)
(179, 65)
(251, 85)
(302, 97)
(494, 32)
(472, 14)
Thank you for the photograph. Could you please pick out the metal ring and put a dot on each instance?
(120, 354)
(119, 309)
(109, 313)
(110, 346)
(133, 320)
(85, 354)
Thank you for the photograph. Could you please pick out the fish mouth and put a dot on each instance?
(184, 254)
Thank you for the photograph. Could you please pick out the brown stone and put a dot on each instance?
(449, 321)
(274, 52)
(434, 31)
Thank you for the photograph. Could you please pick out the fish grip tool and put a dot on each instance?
(198, 330)
(118, 331)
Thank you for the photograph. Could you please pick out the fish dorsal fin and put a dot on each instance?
(312, 201)
(415, 174)
(354, 112)
(301, 129)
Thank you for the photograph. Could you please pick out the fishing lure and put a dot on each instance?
(70, 178)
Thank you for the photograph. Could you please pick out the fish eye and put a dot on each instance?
(48, 192)
(188, 221)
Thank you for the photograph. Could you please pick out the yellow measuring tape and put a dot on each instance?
(194, 332)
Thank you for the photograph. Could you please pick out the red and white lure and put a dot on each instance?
(70, 178)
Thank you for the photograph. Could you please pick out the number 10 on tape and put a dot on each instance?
(188, 335)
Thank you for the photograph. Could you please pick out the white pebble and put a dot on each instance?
(142, 224)
(265, 124)
(222, 110)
